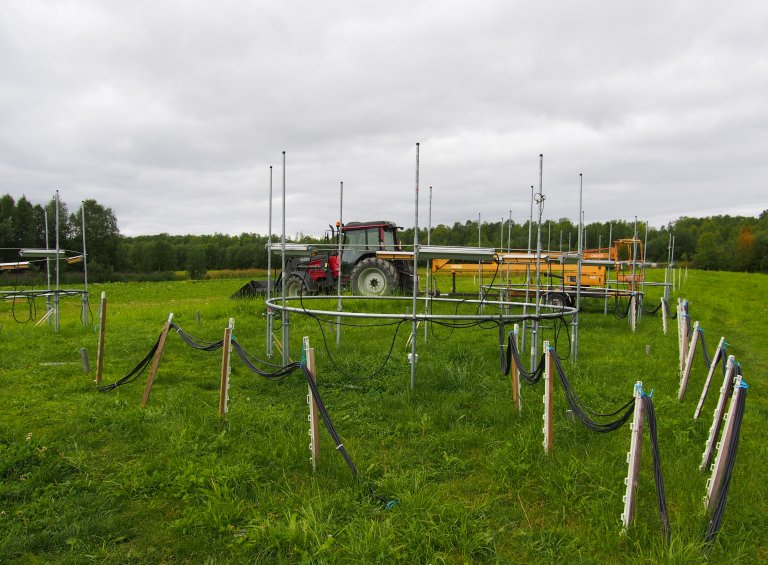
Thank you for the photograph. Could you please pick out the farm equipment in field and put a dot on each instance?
(317, 269)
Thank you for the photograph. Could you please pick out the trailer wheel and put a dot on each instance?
(295, 286)
(374, 277)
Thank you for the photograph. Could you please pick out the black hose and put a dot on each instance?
(135, 372)
(512, 354)
(658, 477)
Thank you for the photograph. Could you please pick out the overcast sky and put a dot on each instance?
(171, 113)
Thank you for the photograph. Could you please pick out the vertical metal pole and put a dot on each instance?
(479, 263)
(575, 323)
(284, 314)
(415, 273)
(270, 312)
(47, 265)
(58, 251)
(339, 254)
(428, 297)
(608, 269)
(528, 276)
(85, 269)
(535, 331)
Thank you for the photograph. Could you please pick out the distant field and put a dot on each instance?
(449, 472)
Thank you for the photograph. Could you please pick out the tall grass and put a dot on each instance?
(449, 471)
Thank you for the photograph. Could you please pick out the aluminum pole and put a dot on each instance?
(339, 254)
(535, 331)
(270, 312)
(56, 294)
(414, 323)
(528, 274)
(427, 302)
(285, 319)
(47, 265)
(85, 268)
(575, 323)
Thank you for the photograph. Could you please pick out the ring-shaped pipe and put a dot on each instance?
(547, 310)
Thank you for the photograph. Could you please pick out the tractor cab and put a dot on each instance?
(364, 239)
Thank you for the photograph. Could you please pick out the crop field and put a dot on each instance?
(448, 472)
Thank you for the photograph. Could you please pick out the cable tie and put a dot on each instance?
(743, 384)
(339, 446)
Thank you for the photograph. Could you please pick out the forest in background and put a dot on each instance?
(724, 243)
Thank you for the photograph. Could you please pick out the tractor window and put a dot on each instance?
(387, 240)
(355, 240)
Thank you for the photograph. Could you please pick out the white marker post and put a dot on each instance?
(314, 436)
(715, 361)
(516, 374)
(664, 315)
(717, 416)
(102, 335)
(548, 393)
(226, 352)
(688, 362)
(633, 458)
(718, 469)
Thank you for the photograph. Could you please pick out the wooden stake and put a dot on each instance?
(548, 393)
(718, 469)
(226, 351)
(688, 362)
(717, 416)
(712, 367)
(102, 335)
(314, 436)
(156, 360)
(633, 458)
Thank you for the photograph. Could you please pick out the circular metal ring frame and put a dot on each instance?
(546, 311)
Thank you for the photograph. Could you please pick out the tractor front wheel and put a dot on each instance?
(295, 286)
(374, 277)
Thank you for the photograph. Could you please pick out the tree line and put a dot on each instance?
(734, 243)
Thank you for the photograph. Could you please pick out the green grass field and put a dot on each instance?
(93, 477)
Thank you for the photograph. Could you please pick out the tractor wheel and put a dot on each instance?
(558, 300)
(374, 277)
(295, 286)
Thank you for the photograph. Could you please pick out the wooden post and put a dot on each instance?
(688, 362)
(84, 359)
(226, 351)
(516, 375)
(715, 361)
(314, 436)
(548, 393)
(102, 335)
(718, 469)
(633, 312)
(633, 458)
(156, 360)
(664, 317)
(717, 416)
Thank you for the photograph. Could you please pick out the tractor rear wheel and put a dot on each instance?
(374, 277)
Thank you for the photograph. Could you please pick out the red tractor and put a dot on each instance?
(360, 269)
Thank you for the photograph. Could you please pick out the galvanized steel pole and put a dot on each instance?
(414, 323)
